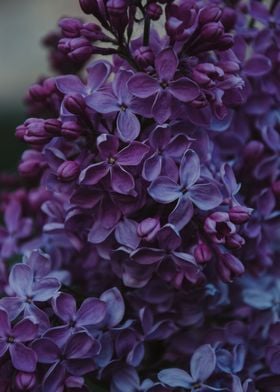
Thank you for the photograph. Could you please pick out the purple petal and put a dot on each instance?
(98, 73)
(64, 306)
(203, 363)
(184, 89)
(45, 289)
(70, 84)
(59, 335)
(99, 233)
(126, 233)
(177, 146)
(107, 145)
(143, 86)
(91, 312)
(133, 154)
(189, 169)
(205, 196)
(136, 355)
(128, 125)
(93, 173)
(147, 256)
(175, 378)
(166, 64)
(54, 379)
(103, 102)
(3, 347)
(152, 167)
(164, 190)
(115, 306)
(161, 109)
(182, 213)
(21, 279)
(258, 65)
(13, 305)
(121, 181)
(119, 86)
(169, 238)
(78, 346)
(5, 326)
(46, 350)
(23, 358)
(79, 367)
(25, 330)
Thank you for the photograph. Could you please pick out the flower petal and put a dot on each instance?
(203, 363)
(121, 181)
(70, 84)
(143, 86)
(205, 196)
(103, 102)
(25, 330)
(184, 89)
(258, 65)
(175, 378)
(98, 73)
(93, 173)
(78, 346)
(152, 167)
(164, 190)
(189, 169)
(161, 109)
(182, 213)
(133, 154)
(91, 312)
(23, 358)
(147, 256)
(128, 126)
(46, 350)
(21, 279)
(166, 64)
(115, 306)
(64, 306)
(5, 325)
(45, 289)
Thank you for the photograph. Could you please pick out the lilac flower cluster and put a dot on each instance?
(138, 252)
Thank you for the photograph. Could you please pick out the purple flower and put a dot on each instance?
(202, 365)
(164, 86)
(119, 101)
(13, 339)
(114, 162)
(205, 195)
(74, 358)
(28, 292)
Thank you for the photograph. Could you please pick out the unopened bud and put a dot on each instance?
(209, 14)
(144, 56)
(25, 381)
(71, 130)
(202, 253)
(148, 228)
(239, 214)
(74, 103)
(154, 11)
(68, 171)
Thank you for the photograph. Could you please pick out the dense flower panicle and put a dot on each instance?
(140, 251)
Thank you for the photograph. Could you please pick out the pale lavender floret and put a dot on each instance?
(164, 87)
(14, 339)
(204, 195)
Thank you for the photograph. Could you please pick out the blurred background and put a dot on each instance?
(22, 60)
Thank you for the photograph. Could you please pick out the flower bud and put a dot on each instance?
(31, 163)
(68, 171)
(209, 14)
(80, 50)
(71, 130)
(89, 6)
(53, 126)
(235, 241)
(228, 18)
(37, 92)
(70, 27)
(92, 31)
(202, 253)
(154, 11)
(25, 381)
(211, 31)
(34, 132)
(144, 56)
(226, 42)
(148, 228)
(239, 214)
(253, 150)
(230, 266)
(116, 7)
(74, 103)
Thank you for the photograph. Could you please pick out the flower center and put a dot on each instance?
(10, 339)
(112, 160)
(163, 84)
(29, 300)
(123, 107)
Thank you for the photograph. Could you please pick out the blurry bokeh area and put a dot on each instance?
(23, 23)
